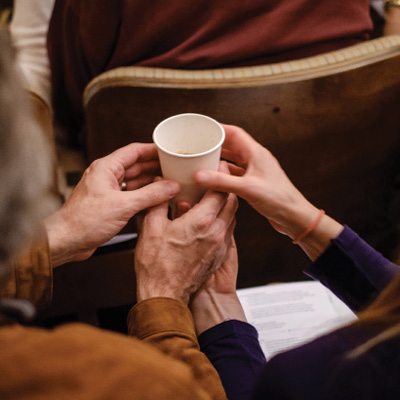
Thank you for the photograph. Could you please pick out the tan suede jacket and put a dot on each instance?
(160, 359)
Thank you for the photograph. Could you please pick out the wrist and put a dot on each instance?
(295, 216)
(146, 291)
(63, 243)
(210, 309)
(319, 239)
(298, 217)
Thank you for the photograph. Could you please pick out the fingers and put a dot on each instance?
(235, 170)
(238, 145)
(227, 243)
(220, 182)
(126, 163)
(180, 208)
(140, 181)
(227, 218)
(152, 195)
(213, 199)
(228, 212)
(210, 205)
(133, 153)
(143, 168)
(223, 167)
(156, 217)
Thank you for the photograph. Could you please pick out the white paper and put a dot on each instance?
(287, 315)
(123, 237)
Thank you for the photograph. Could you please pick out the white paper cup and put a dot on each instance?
(187, 143)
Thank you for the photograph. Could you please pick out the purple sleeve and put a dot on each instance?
(234, 350)
(353, 270)
(350, 268)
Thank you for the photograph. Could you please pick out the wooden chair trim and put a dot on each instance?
(307, 68)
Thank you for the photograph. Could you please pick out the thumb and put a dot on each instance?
(153, 194)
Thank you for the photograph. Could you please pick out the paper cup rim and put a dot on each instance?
(219, 144)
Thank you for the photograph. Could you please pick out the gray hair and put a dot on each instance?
(25, 163)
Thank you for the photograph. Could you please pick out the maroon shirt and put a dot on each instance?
(88, 37)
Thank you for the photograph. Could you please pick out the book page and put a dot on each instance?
(287, 315)
(120, 238)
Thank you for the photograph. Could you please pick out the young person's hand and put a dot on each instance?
(257, 177)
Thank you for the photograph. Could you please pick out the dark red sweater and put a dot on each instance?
(87, 37)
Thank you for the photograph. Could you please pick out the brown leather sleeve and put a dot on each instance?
(168, 325)
(31, 276)
(77, 361)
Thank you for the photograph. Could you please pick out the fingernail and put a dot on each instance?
(202, 176)
(173, 188)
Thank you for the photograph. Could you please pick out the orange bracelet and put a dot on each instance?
(310, 228)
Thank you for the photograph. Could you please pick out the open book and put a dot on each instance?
(287, 315)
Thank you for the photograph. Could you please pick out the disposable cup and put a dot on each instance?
(187, 143)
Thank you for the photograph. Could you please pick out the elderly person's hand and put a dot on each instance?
(257, 177)
(98, 209)
(217, 300)
(174, 258)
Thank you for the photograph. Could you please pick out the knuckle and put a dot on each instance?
(204, 223)
(220, 239)
(218, 235)
(94, 165)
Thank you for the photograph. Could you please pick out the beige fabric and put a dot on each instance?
(28, 30)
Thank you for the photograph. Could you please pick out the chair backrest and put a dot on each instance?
(332, 120)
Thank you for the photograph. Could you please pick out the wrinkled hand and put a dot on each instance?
(217, 301)
(97, 209)
(223, 280)
(174, 258)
